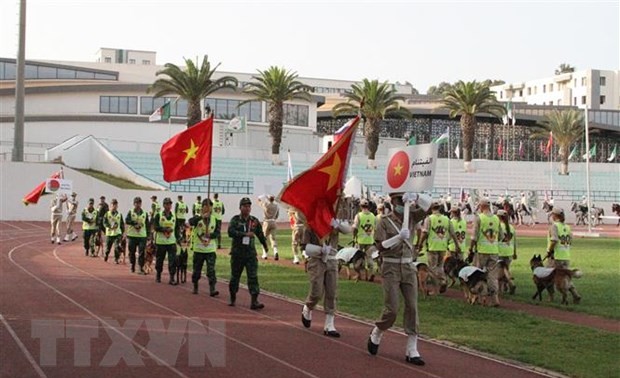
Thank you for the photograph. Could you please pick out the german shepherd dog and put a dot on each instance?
(450, 265)
(357, 262)
(504, 278)
(550, 278)
(149, 255)
(121, 248)
(474, 284)
(181, 265)
(424, 276)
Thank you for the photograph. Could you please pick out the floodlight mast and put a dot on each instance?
(18, 136)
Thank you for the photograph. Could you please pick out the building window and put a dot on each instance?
(575, 101)
(107, 59)
(132, 61)
(575, 84)
(228, 109)
(501, 94)
(559, 102)
(296, 115)
(529, 91)
(583, 81)
(550, 87)
(544, 88)
(118, 104)
(146, 62)
(520, 92)
(602, 100)
(551, 103)
(583, 100)
(602, 81)
(535, 90)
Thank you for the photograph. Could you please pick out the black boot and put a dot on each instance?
(256, 305)
(158, 277)
(195, 288)
(133, 268)
(232, 299)
(212, 291)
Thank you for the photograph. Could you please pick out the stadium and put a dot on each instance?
(95, 115)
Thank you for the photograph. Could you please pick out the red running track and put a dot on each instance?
(64, 314)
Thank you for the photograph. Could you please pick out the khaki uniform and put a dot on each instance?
(271, 211)
(398, 275)
(323, 275)
(72, 206)
(297, 226)
(56, 218)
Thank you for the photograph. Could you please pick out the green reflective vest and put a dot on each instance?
(160, 237)
(460, 231)
(197, 209)
(507, 246)
(488, 234)
(200, 241)
(366, 228)
(438, 233)
(562, 247)
(218, 209)
(181, 210)
(88, 216)
(137, 230)
(114, 220)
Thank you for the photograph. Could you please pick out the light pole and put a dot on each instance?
(18, 136)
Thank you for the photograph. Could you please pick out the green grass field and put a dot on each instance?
(570, 349)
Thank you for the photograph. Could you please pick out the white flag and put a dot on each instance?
(289, 170)
(457, 151)
(613, 153)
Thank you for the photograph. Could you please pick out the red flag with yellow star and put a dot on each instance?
(188, 154)
(315, 191)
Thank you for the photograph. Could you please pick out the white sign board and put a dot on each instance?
(411, 168)
(58, 186)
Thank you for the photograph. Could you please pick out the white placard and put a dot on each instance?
(411, 168)
(62, 186)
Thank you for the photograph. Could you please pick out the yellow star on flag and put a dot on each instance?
(397, 169)
(190, 153)
(332, 170)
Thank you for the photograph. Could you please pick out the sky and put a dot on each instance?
(422, 42)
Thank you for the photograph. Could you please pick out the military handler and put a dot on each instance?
(114, 228)
(180, 213)
(197, 207)
(89, 227)
(270, 216)
(165, 241)
(459, 227)
(203, 244)
(559, 241)
(364, 226)
(243, 229)
(485, 240)
(392, 240)
(137, 221)
(218, 210)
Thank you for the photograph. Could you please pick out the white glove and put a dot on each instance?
(404, 234)
(424, 201)
(409, 197)
(262, 197)
(326, 249)
(335, 223)
(313, 250)
(391, 242)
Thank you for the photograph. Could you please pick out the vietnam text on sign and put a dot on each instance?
(411, 169)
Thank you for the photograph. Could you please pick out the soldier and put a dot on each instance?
(89, 226)
(323, 273)
(114, 228)
(485, 241)
(72, 207)
(270, 214)
(436, 231)
(392, 239)
(165, 241)
(459, 227)
(197, 208)
(203, 244)
(219, 210)
(243, 229)
(297, 227)
(155, 209)
(180, 213)
(56, 218)
(102, 210)
(137, 221)
(559, 241)
(364, 226)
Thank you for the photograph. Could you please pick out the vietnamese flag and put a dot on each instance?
(315, 192)
(188, 154)
(36, 193)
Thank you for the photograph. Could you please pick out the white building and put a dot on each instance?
(598, 89)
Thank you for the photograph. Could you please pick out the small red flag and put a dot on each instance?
(188, 154)
(36, 193)
(549, 143)
(315, 191)
(500, 148)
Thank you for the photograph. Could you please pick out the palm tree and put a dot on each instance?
(379, 100)
(468, 100)
(192, 84)
(563, 68)
(275, 86)
(567, 127)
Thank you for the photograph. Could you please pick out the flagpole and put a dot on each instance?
(588, 169)
(449, 153)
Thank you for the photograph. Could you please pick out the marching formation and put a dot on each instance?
(388, 236)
